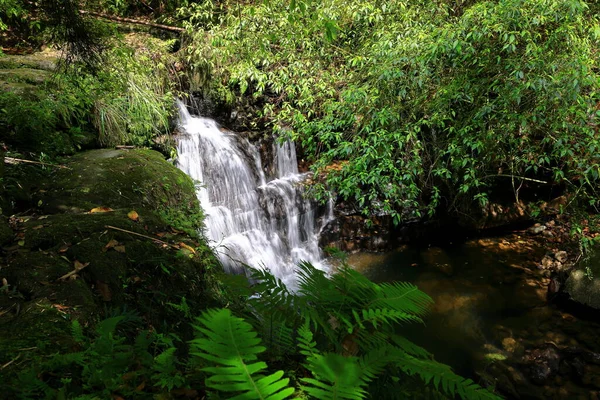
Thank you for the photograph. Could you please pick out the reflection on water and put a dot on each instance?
(490, 307)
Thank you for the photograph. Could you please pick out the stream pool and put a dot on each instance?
(492, 321)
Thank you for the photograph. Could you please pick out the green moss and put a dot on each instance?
(26, 75)
(38, 328)
(134, 179)
(45, 60)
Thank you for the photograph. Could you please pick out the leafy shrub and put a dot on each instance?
(434, 104)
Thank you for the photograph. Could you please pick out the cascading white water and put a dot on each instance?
(252, 221)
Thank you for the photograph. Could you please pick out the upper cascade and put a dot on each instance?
(250, 220)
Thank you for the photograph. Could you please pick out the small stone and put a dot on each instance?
(548, 233)
(509, 344)
(561, 256)
(547, 262)
(537, 229)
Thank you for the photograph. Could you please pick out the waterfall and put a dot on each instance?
(249, 219)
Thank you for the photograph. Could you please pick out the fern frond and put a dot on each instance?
(233, 346)
(77, 332)
(441, 376)
(335, 377)
(306, 342)
(315, 287)
(377, 317)
(409, 347)
(402, 296)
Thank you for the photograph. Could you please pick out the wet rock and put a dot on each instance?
(591, 376)
(510, 344)
(547, 262)
(537, 229)
(561, 256)
(583, 285)
(548, 233)
(541, 364)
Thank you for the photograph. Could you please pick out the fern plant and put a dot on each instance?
(232, 345)
(338, 334)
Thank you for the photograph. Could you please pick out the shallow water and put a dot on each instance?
(490, 312)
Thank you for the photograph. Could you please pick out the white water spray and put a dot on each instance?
(249, 220)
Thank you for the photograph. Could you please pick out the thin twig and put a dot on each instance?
(76, 270)
(140, 235)
(132, 21)
(10, 362)
(12, 160)
(516, 176)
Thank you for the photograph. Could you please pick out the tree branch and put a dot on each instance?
(131, 21)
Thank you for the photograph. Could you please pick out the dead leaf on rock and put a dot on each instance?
(185, 246)
(120, 249)
(60, 308)
(101, 210)
(111, 244)
(133, 215)
(63, 248)
(79, 266)
(161, 234)
(104, 290)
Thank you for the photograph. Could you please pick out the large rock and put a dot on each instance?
(127, 263)
(583, 283)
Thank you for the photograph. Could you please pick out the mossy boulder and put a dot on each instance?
(583, 283)
(129, 179)
(84, 254)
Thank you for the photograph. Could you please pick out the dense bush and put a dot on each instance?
(434, 103)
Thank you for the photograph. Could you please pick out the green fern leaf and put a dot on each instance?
(335, 377)
(402, 296)
(441, 375)
(77, 332)
(231, 343)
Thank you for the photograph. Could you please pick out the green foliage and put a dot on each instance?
(230, 343)
(105, 365)
(435, 104)
(345, 330)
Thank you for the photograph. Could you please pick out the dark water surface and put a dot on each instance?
(491, 314)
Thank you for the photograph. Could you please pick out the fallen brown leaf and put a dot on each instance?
(60, 308)
(104, 290)
(63, 248)
(185, 246)
(111, 244)
(37, 227)
(120, 249)
(101, 210)
(133, 215)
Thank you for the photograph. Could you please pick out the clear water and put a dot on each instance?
(490, 308)
(250, 219)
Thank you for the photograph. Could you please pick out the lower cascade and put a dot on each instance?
(251, 220)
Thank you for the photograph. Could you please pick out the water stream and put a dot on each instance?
(492, 320)
(264, 222)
